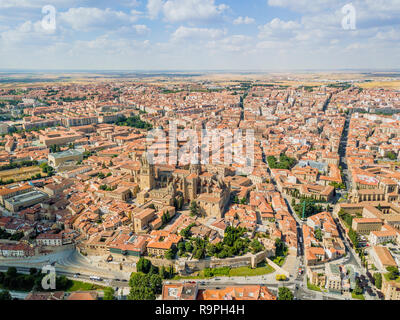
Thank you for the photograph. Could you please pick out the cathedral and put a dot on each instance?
(164, 184)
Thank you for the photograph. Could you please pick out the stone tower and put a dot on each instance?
(193, 181)
(147, 181)
(195, 168)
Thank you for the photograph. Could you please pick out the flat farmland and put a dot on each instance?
(19, 174)
(380, 84)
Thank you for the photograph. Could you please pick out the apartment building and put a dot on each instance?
(366, 225)
(382, 258)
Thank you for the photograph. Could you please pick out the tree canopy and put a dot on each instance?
(285, 294)
(144, 286)
(285, 162)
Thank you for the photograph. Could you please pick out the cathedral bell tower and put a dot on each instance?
(147, 181)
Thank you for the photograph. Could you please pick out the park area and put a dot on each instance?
(208, 273)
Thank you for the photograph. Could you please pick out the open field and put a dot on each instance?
(311, 286)
(380, 84)
(262, 269)
(20, 174)
(249, 272)
(84, 286)
(295, 79)
(357, 296)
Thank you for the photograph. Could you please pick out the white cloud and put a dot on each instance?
(29, 33)
(245, 20)
(185, 10)
(235, 43)
(15, 3)
(279, 28)
(389, 35)
(85, 19)
(198, 29)
(189, 10)
(141, 29)
(154, 7)
(185, 33)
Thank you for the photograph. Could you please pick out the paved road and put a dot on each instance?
(106, 281)
(67, 262)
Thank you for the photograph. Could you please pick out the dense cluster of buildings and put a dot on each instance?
(97, 189)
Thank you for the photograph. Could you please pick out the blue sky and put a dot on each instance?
(200, 35)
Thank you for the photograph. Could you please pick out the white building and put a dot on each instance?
(378, 237)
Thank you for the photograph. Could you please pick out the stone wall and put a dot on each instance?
(250, 260)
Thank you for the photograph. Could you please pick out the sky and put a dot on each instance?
(257, 35)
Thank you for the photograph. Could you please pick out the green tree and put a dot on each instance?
(393, 273)
(153, 270)
(63, 283)
(144, 286)
(358, 290)
(163, 273)
(285, 162)
(318, 234)
(180, 203)
(211, 249)
(378, 280)
(143, 265)
(188, 246)
(256, 246)
(155, 283)
(194, 210)
(280, 248)
(5, 295)
(170, 253)
(391, 155)
(186, 231)
(199, 253)
(32, 271)
(141, 293)
(181, 246)
(101, 175)
(353, 237)
(11, 272)
(109, 294)
(285, 294)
